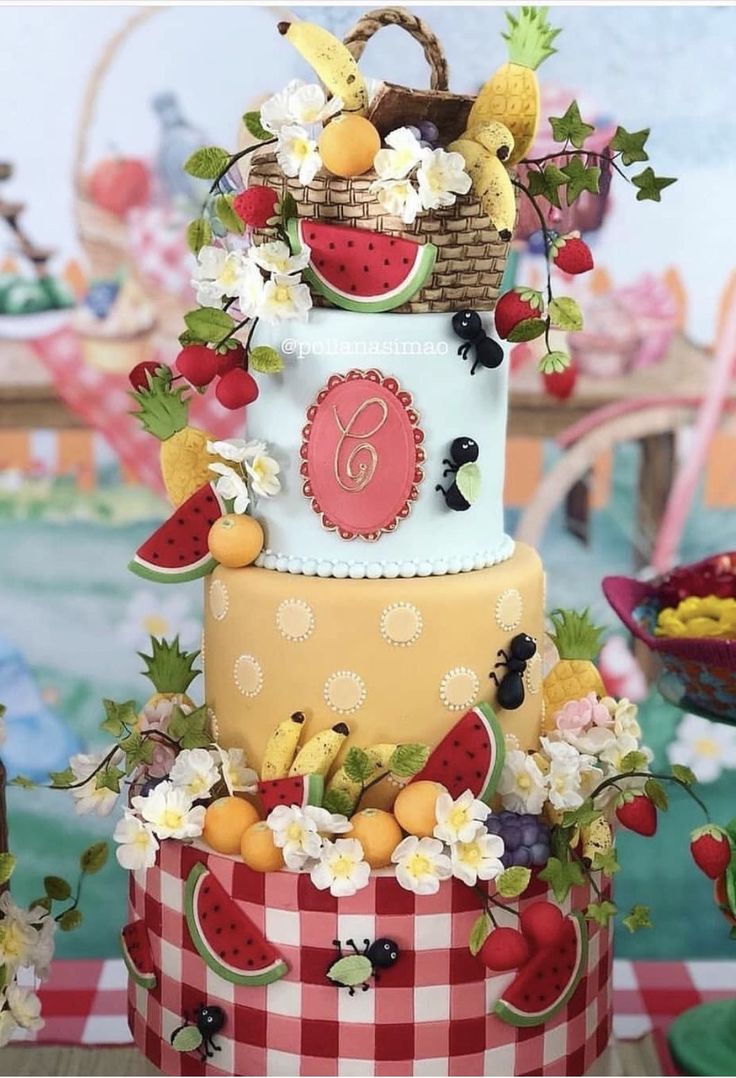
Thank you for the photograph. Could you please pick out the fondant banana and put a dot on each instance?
(281, 747)
(484, 149)
(331, 60)
(379, 756)
(597, 838)
(317, 756)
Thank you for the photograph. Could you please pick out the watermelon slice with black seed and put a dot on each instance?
(470, 757)
(178, 551)
(137, 954)
(301, 790)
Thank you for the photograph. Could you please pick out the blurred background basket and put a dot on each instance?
(471, 256)
(698, 674)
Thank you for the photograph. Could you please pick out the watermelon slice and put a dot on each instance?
(470, 757)
(137, 954)
(298, 790)
(359, 270)
(178, 551)
(225, 936)
(546, 983)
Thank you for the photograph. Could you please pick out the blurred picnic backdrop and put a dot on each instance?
(100, 106)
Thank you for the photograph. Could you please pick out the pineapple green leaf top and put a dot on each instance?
(168, 667)
(162, 410)
(575, 635)
(529, 37)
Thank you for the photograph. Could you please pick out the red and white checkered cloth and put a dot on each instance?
(158, 248)
(427, 1016)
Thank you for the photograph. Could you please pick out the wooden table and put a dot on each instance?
(28, 400)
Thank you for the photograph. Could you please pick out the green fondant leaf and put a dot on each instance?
(118, 717)
(61, 779)
(528, 330)
(210, 324)
(630, 144)
(265, 360)
(226, 214)
(633, 761)
(56, 888)
(562, 876)
(408, 760)
(657, 794)
(7, 866)
(138, 750)
(582, 816)
(190, 730)
(352, 970)
(639, 917)
(684, 774)
(605, 861)
(187, 1039)
(358, 766)
(94, 858)
(287, 207)
(554, 363)
(564, 313)
(545, 183)
(338, 801)
(70, 919)
(207, 163)
(468, 481)
(580, 177)
(513, 882)
(23, 781)
(252, 122)
(571, 127)
(199, 234)
(479, 933)
(109, 779)
(651, 186)
(44, 903)
(601, 912)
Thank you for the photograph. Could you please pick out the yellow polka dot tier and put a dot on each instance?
(396, 660)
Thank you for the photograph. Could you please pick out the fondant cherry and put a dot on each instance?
(236, 389)
(542, 923)
(504, 949)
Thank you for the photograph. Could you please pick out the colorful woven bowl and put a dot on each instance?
(698, 674)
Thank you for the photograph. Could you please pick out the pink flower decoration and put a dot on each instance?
(162, 761)
(579, 715)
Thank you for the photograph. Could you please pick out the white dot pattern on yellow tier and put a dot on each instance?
(219, 600)
(248, 675)
(214, 725)
(345, 692)
(459, 688)
(295, 620)
(401, 624)
(509, 610)
(534, 674)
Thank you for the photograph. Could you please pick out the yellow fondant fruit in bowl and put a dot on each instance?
(348, 145)
(225, 821)
(235, 540)
(258, 850)
(378, 833)
(414, 808)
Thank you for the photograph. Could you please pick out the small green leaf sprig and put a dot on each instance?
(405, 762)
(581, 172)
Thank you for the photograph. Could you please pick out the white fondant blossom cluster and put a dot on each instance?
(413, 178)
(590, 740)
(26, 943)
(296, 116)
(250, 471)
(264, 280)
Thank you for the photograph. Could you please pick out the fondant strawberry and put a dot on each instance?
(637, 813)
(711, 849)
(139, 376)
(542, 923)
(236, 389)
(571, 254)
(255, 206)
(561, 384)
(516, 306)
(504, 949)
(198, 364)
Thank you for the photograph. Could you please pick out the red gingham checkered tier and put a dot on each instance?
(427, 1015)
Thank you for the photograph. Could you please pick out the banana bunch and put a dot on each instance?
(485, 148)
(340, 783)
(281, 747)
(332, 62)
(318, 754)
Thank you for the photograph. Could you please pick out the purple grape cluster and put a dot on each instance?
(427, 134)
(525, 838)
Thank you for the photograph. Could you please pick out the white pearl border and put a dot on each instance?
(246, 692)
(303, 605)
(507, 626)
(357, 679)
(223, 592)
(387, 610)
(375, 570)
(443, 688)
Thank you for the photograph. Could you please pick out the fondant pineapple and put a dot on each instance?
(170, 671)
(578, 642)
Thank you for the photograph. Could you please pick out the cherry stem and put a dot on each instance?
(234, 158)
(614, 779)
(586, 871)
(547, 247)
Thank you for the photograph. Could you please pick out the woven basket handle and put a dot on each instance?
(372, 21)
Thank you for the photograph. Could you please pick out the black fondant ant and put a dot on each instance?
(463, 451)
(511, 693)
(467, 325)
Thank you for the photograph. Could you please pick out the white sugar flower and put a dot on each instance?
(169, 811)
(250, 291)
(232, 486)
(295, 834)
(479, 859)
(404, 154)
(625, 719)
(592, 741)
(238, 777)
(8, 1027)
(523, 787)
(708, 748)
(328, 823)
(18, 936)
(276, 111)
(25, 1006)
(620, 747)
(263, 472)
(460, 820)
(234, 449)
(421, 864)
(400, 198)
(89, 798)
(341, 868)
(284, 297)
(137, 843)
(441, 177)
(195, 772)
(566, 769)
(43, 950)
(219, 275)
(276, 257)
(308, 105)
(297, 153)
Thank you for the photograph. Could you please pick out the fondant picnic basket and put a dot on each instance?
(471, 256)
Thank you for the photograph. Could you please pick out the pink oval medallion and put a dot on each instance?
(361, 454)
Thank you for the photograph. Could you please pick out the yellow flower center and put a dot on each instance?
(172, 818)
(282, 296)
(523, 781)
(458, 817)
(300, 148)
(469, 852)
(706, 746)
(419, 865)
(342, 867)
(228, 273)
(13, 944)
(197, 786)
(141, 838)
(294, 833)
(156, 625)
